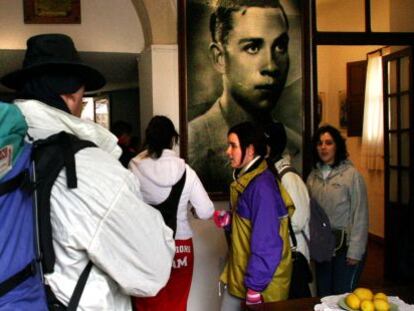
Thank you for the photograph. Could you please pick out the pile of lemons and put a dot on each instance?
(364, 299)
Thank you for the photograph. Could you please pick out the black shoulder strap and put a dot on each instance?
(286, 170)
(292, 234)
(278, 177)
(50, 155)
(18, 181)
(77, 292)
(169, 207)
(18, 278)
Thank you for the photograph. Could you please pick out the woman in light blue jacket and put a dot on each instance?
(340, 190)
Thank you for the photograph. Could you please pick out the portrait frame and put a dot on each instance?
(190, 13)
(343, 109)
(51, 12)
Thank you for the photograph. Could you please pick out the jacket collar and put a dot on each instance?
(336, 170)
(240, 184)
(44, 120)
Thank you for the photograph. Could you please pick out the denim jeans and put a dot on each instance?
(230, 302)
(336, 276)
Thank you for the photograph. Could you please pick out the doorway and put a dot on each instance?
(390, 191)
(398, 143)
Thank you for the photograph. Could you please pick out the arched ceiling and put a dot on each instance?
(158, 20)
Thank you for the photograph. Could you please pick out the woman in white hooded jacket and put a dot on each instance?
(163, 175)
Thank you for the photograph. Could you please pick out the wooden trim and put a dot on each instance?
(363, 38)
(368, 16)
(307, 102)
(376, 239)
(182, 65)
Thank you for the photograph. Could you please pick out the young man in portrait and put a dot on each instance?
(249, 49)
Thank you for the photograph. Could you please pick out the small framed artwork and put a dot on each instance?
(320, 107)
(51, 11)
(343, 109)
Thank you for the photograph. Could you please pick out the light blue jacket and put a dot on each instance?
(343, 196)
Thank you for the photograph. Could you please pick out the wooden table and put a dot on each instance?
(404, 292)
(303, 304)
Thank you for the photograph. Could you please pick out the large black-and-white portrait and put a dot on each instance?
(241, 60)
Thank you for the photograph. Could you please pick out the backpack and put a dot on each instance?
(321, 240)
(26, 248)
(301, 272)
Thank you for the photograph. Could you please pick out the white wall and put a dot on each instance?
(145, 73)
(158, 71)
(107, 26)
(401, 13)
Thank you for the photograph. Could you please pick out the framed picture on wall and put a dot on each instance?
(252, 72)
(51, 11)
(343, 109)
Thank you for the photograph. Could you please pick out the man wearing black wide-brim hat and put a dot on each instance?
(103, 219)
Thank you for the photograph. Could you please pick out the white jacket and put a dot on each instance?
(298, 192)
(103, 220)
(157, 176)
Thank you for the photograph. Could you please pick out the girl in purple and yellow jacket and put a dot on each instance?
(259, 264)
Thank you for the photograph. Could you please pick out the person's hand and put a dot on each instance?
(253, 297)
(351, 262)
(221, 218)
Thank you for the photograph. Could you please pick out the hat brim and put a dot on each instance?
(94, 80)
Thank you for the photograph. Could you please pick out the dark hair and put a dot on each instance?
(121, 127)
(135, 143)
(249, 134)
(341, 153)
(159, 135)
(276, 139)
(221, 21)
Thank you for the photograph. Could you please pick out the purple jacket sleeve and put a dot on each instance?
(262, 204)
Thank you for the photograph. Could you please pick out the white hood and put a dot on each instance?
(162, 172)
(45, 120)
(157, 176)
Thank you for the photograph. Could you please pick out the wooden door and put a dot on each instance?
(398, 144)
(356, 73)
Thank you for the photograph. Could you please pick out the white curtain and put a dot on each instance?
(373, 126)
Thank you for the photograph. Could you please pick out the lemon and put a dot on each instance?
(363, 293)
(352, 301)
(381, 305)
(367, 305)
(380, 296)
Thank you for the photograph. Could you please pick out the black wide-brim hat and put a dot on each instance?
(53, 53)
